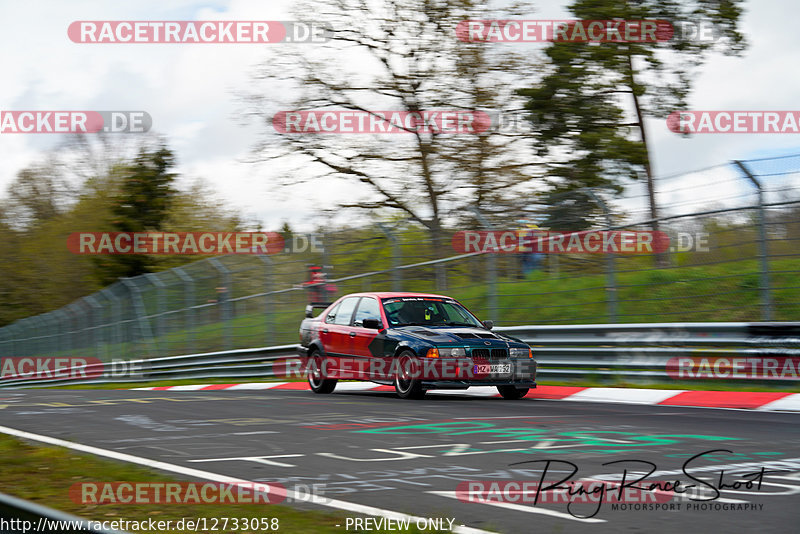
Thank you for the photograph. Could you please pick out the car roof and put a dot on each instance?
(393, 294)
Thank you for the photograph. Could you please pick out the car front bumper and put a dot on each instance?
(464, 384)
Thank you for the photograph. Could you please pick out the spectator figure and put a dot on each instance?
(530, 260)
(319, 290)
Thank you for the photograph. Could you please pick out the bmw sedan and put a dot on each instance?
(413, 341)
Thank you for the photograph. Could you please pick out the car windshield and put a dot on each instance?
(406, 311)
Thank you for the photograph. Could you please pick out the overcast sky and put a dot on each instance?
(190, 92)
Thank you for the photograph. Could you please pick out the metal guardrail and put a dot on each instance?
(627, 351)
(18, 516)
(241, 363)
(644, 350)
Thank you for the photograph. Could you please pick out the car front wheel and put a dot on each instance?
(406, 381)
(512, 393)
(316, 375)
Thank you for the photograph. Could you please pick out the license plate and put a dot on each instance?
(499, 368)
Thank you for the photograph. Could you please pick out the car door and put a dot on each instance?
(338, 331)
(367, 343)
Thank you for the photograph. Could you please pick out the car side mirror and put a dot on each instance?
(309, 311)
(374, 324)
(488, 324)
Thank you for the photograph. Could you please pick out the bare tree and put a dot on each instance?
(402, 55)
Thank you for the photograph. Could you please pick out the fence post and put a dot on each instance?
(15, 348)
(224, 297)
(397, 273)
(35, 340)
(64, 329)
(268, 316)
(81, 319)
(160, 306)
(96, 334)
(763, 252)
(145, 333)
(491, 269)
(72, 328)
(52, 338)
(5, 352)
(325, 251)
(611, 276)
(116, 319)
(190, 325)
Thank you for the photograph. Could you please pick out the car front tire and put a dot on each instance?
(512, 393)
(316, 376)
(405, 383)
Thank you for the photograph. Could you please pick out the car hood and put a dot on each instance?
(454, 334)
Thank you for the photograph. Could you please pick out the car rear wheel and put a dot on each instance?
(512, 393)
(406, 383)
(316, 375)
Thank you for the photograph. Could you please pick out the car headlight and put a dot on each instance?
(452, 352)
(520, 352)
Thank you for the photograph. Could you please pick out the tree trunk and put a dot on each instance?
(661, 258)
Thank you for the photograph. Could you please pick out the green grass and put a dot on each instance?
(44, 474)
(723, 292)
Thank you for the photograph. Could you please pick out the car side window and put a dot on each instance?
(345, 311)
(332, 314)
(368, 308)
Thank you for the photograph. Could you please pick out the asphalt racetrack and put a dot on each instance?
(371, 448)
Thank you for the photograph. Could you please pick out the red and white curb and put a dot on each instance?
(746, 400)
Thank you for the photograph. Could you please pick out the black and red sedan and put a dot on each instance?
(415, 341)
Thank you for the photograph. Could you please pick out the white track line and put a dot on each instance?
(215, 477)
